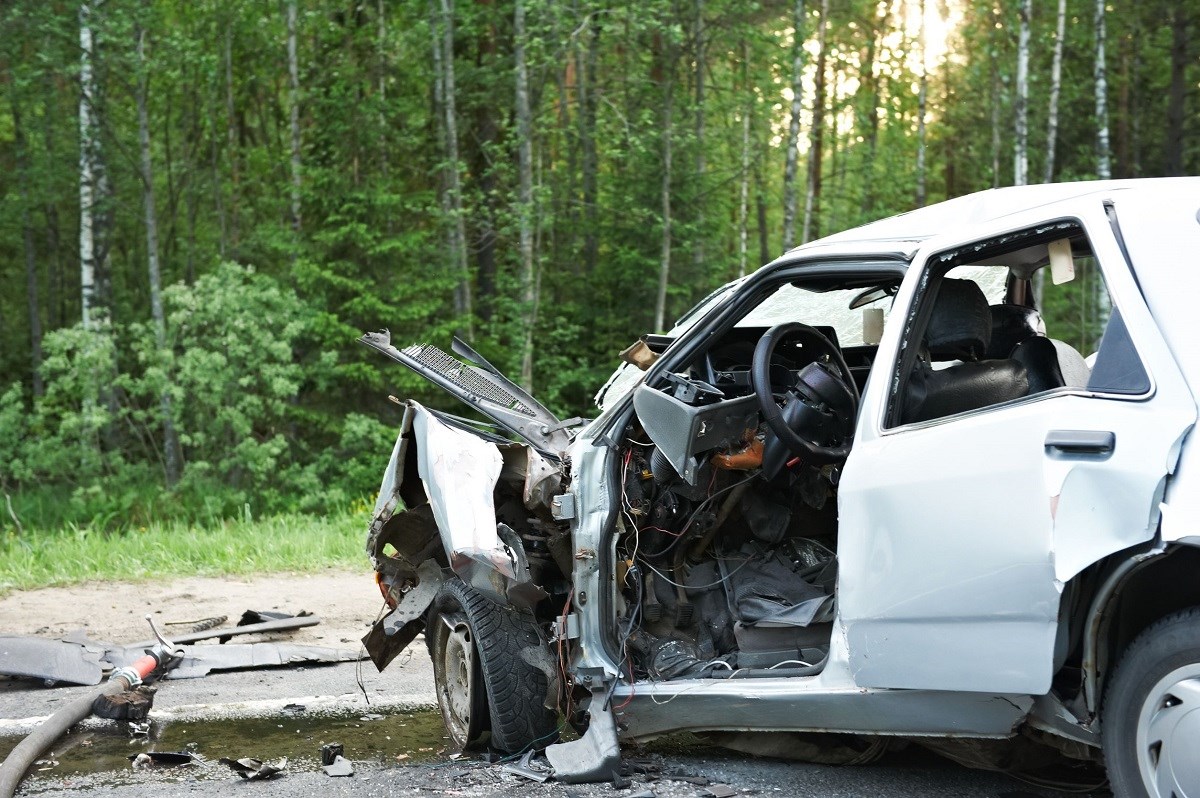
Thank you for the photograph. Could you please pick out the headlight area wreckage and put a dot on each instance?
(453, 503)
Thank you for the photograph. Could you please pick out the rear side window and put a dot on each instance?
(1118, 369)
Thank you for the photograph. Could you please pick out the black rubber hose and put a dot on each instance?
(28, 750)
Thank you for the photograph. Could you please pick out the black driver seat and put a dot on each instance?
(960, 328)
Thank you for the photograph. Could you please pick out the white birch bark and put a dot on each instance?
(525, 195)
(88, 144)
(1103, 165)
(792, 153)
(1021, 145)
(1055, 91)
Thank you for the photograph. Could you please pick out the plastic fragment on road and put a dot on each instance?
(252, 769)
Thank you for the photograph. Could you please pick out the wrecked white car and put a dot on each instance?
(865, 490)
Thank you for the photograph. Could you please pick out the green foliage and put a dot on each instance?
(276, 404)
(162, 550)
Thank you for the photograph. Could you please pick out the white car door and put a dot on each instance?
(957, 535)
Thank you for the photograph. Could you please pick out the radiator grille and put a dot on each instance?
(465, 376)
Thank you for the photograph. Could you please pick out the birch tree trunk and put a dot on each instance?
(1021, 145)
(529, 308)
(816, 139)
(171, 449)
(31, 277)
(444, 67)
(872, 124)
(1103, 166)
(922, 95)
(294, 111)
(792, 153)
(89, 151)
(1055, 90)
(664, 263)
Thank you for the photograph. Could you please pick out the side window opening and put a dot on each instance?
(1000, 320)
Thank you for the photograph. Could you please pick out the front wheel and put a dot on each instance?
(485, 681)
(1151, 716)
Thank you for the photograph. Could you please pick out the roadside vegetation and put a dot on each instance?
(287, 542)
(207, 203)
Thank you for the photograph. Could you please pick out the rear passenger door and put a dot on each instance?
(958, 534)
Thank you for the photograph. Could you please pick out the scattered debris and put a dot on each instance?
(528, 769)
(284, 624)
(53, 661)
(252, 769)
(293, 709)
(644, 794)
(147, 758)
(139, 729)
(340, 766)
(258, 618)
(371, 716)
(720, 791)
(330, 752)
(202, 625)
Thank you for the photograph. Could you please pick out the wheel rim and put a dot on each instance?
(458, 686)
(1168, 735)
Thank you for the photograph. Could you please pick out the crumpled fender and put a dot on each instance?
(458, 472)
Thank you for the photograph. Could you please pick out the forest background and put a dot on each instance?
(206, 203)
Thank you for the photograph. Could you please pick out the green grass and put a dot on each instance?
(276, 544)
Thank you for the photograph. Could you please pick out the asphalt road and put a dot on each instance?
(396, 744)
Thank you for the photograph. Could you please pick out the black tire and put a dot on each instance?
(516, 689)
(1158, 678)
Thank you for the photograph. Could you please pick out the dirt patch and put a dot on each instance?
(346, 601)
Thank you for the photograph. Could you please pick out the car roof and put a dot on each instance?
(902, 232)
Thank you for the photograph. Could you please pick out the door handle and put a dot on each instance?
(1081, 441)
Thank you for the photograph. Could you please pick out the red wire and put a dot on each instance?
(625, 703)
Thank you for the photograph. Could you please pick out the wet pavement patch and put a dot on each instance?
(408, 738)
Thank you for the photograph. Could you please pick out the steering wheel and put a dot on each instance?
(816, 421)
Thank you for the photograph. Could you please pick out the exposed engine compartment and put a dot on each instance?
(729, 576)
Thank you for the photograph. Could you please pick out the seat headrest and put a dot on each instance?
(961, 324)
(1012, 324)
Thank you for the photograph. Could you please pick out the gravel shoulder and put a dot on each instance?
(346, 601)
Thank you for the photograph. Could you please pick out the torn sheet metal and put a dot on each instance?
(540, 478)
(53, 661)
(391, 634)
(255, 769)
(460, 471)
(201, 660)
